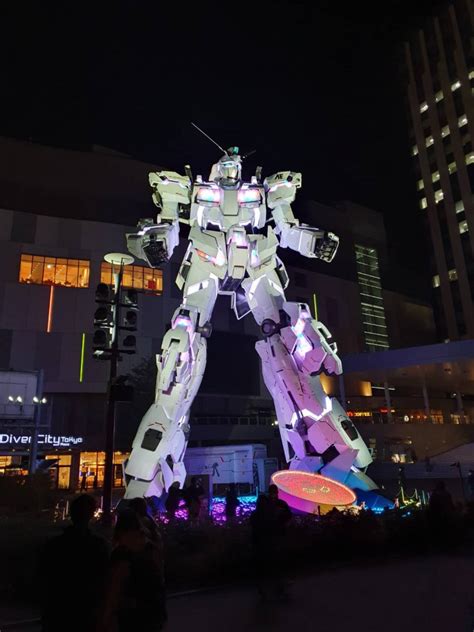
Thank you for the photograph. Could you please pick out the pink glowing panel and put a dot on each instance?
(206, 194)
(305, 491)
(247, 196)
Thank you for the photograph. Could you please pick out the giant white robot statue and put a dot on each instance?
(233, 250)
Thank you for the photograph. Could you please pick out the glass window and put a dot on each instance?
(439, 195)
(470, 158)
(455, 85)
(463, 227)
(439, 96)
(423, 107)
(138, 277)
(435, 176)
(423, 203)
(436, 281)
(53, 271)
(26, 263)
(445, 131)
(429, 141)
(420, 185)
(462, 120)
(372, 307)
(453, 275)
(459, 206)
(414, 150)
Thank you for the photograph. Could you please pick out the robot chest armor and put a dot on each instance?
(214, 207)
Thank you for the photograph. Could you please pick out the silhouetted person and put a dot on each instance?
(95, 483)
(194, 496)
(72, 573)
(269, 522)
(231, 502)
(441, 503)
(140, 507)
(259, 522)
(470, 485)
(172, 501)
(134, 596)
(84, 481)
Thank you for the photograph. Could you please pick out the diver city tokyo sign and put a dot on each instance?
(55, 441)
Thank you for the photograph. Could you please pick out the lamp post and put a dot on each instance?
(118, 260)
(38, 401)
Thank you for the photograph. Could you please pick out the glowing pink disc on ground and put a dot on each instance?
(306, 492)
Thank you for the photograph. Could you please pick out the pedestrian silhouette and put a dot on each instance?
(134, 596)
(73, 567)
(231, 502)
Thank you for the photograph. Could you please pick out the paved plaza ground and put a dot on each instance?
(433, 594)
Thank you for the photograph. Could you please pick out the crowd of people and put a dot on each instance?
(120, 586)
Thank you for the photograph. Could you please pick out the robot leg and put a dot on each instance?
(156, 461)
(316, 433)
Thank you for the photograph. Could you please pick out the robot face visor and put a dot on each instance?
(229, 170)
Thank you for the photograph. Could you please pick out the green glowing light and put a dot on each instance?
(315, 305)
(81, 367)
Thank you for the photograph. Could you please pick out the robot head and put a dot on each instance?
(228, 171)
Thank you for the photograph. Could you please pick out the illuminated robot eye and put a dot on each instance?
(208, 195)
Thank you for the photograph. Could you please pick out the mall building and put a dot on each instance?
(61, 211)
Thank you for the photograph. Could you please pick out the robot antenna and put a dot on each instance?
(209, 138)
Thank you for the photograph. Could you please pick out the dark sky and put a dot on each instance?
(313, 86)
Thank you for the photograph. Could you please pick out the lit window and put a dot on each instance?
(423, 203)
(470, 158)
(54, 271)
(429, 141)
(455, 85)
(138, 277)
(439, 195)
(439, 96)
(452, 275)
(463, 227)
(420, 185)
(462, 120)
(445, 131)
(414, 150)
(435, 280)
(423, 107)
(452, 167)
(435, 176)
(471, 74)
(459, 206)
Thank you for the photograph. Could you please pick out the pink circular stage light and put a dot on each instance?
(306, 491)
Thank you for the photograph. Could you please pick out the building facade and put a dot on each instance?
(439, 84)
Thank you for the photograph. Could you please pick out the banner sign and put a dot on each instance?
(55, 441)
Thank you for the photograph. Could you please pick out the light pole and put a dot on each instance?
(38, 401)
(118, 260)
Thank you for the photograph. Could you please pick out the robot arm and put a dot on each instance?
(155, 241)
(308, 241)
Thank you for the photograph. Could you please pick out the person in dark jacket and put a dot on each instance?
(72, 573)
(135, 594)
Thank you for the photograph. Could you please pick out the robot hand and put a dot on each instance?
(154, 242)
(311, 242)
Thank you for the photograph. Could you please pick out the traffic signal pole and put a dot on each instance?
(110, 416)
(107, 345)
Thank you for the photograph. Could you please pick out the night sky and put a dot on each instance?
(313, 86)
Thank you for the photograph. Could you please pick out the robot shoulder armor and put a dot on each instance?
(288, 178)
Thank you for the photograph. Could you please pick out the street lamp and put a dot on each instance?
(118, 261)
(37, 400)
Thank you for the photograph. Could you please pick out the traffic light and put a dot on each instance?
(128, 320)
(103, 321)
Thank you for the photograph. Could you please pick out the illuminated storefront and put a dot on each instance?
(68, 467)
(91, 469)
